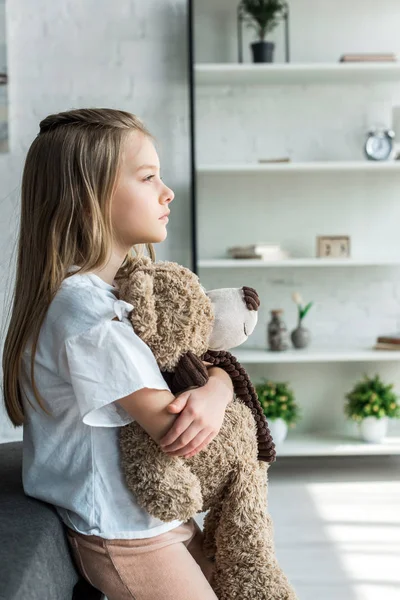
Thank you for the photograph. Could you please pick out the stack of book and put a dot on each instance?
(362, 57)
(262, 251)
(388, 342)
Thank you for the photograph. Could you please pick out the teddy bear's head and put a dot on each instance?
(174, 314)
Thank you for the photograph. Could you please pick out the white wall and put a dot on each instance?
(307, 123)
(126, 54)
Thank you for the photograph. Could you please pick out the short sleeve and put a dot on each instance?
(105, 363)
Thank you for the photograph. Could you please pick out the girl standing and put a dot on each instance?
(74, 369)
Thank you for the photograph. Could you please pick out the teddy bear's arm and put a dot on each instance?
(246, 392)
(161, 484)
(189, 372)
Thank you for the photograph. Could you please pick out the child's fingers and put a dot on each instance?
(185, 442)
(201, 447)
(179, 403)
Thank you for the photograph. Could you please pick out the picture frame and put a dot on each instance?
(333, 246)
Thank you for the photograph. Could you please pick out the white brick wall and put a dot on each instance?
(129, 55)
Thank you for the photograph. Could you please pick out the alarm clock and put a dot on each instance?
(379, 144)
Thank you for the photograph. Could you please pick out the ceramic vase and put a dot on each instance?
(300, 337)
(278, 429)
(374, 430)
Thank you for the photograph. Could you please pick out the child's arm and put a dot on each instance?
(201, 413)
(149, 408)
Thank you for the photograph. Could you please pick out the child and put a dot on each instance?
(74, 369)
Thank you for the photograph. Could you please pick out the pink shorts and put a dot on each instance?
(170, 566)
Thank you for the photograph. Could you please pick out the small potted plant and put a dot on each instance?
(300, 336)
(263, 16)
(371, 403)
(279, 406)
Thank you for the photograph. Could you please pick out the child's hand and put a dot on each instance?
(202, 413)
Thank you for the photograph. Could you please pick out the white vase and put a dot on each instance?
(278, 429)
(374, 430)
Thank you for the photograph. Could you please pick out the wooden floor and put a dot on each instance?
(337, 526)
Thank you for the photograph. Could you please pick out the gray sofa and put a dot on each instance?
(35, 560)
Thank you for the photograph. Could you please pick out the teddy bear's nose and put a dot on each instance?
(251, 298)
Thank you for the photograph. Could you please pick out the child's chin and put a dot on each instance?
(160, 237)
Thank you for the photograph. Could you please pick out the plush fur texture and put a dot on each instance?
(173, 315)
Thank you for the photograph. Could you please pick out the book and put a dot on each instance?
(389, 339)
(260, 253)
(273, 160)
(261, 250)
(365, 57)
(259, 247)
(382, 346)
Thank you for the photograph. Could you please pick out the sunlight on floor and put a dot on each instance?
(339, 541)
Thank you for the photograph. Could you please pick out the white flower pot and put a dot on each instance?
(374, 430)
(278, 429)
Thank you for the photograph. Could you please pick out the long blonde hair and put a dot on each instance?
(68, 181)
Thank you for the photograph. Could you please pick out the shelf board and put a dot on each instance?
(334, 445)
(367, 166)
(312, 354)
(294, 73)
(243, 263)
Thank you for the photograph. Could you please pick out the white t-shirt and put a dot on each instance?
(84, 362)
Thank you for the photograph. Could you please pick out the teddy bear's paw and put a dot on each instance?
(177, 498)
(250, 583)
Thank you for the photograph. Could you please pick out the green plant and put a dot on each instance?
(370, 397)
(277, 401)
(302, 311)
(262, 15)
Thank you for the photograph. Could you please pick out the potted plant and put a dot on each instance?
(371, 403)
(263, 16)
(279, 406)
(300, 336)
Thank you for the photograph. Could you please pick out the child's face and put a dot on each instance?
(141, 197)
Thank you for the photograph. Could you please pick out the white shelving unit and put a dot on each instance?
(292, 73)
(217, 176)
(365, 166)
(328, 444)
(241, 263)
(247, 355)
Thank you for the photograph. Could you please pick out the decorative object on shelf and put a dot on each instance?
(300, 336)
(279, 406)
(364, 57)
(371, 403)
(261, 250)
(273, 160)
(263, 16)
(278, 337)
(333, 246)
(396, 129)
(379, 145)
(388, 342)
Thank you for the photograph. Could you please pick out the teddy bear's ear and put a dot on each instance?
(138, 289)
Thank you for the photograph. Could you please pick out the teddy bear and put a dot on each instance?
(186, 326)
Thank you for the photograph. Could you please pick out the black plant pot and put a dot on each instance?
(263, 52)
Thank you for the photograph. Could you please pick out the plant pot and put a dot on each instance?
(263, 52)
(278, 429)
(374, 430)
(300, 337)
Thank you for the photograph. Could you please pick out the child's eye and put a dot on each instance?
(149, 177)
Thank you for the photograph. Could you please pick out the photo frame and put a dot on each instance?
(333, 246)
